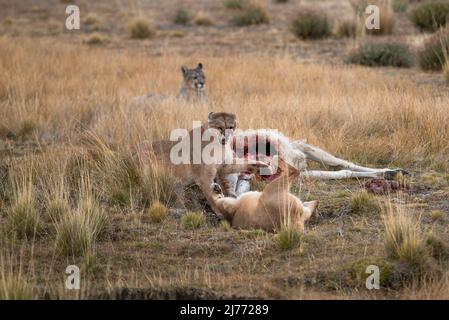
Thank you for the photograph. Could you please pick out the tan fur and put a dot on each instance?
(193, 87)
(193, 83)
(269, 209)
(221, 125)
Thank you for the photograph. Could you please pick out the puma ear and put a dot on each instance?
(210, 115)
(184, 69)
(200, 66)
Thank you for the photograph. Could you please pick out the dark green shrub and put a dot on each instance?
(251, 14)
(432, 56)
(437, 247)
(140, 29)
(431, 16)
(182, 16)
(382, 54)
(311, 25)
(357, 271)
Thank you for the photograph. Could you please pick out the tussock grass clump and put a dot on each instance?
(123, 186)
(430, 288)
(178, 34)
(140, 29)
(251, 14)
(13, 284)
(431, 16)
(8, 21)
(193, 220)
(357, 271)
(78, 230)
(403, 238)
(92, 22)
(435, 51)
(235, 4)
(57, 208)
(130, 181)
(438, 248)
(288, 237)
(382, 54)
(95, 39)
(158, 212)
(225, 225)
(363, 203)
(23, 218)
(311, 24)
(158, 184)
(15, 288)
(182, 17)
(346, 29)
(203, 20)
(437, 215)
(91, 19)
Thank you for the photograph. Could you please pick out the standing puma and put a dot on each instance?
(219, 127)
(269, 209)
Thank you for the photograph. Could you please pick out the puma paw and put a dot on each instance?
(216, 188)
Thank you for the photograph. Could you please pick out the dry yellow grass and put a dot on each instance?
(67, 110)
(353, 112)
(403, 237)
(14, 284)
(446, 70)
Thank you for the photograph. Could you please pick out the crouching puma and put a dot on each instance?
(269, 209)
(219, 128)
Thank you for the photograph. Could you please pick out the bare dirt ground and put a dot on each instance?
(64, 108)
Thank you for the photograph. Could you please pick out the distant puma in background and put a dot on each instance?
(193, 87)
(269, 209)
(193, 84)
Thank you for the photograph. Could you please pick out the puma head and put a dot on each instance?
(194, 79)
(224, 123)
